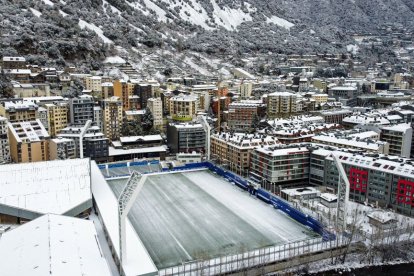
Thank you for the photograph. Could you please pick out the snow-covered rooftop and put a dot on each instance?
(46, 187)
(328, 197)
(398, 128)
(114, 151)
(368, 145)
(130, 139)
(300, 191)
(53, 245)
(382, 216)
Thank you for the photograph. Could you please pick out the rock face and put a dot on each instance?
(70, 30)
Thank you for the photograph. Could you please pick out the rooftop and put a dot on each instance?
(115, 152)
(32, 131)
(131, 139)
(46, 187)
(53, 245)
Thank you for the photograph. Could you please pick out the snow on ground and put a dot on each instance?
(138, 6)
(136, 28)
(36, 12)
(62, 2)
(83, 24)
(352, 48)
(280, 22)
(356, 214)
(224, 71)
(231, 18)
(193, 15)
(64, 14)
(160, 13)
(113, 9)
(196, 67)
(196, 14)
(114, 59)
(203, 216)
(48, 2)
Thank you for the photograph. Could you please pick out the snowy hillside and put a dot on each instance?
(69, 30)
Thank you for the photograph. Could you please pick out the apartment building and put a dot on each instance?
(155, 105)
(4, 142)
(280, 167)
(112, 111)
(234, 149)
(320, 98)
(57, 116)
(144, 92)
(81, 109)
(281, 104)
(124, 90)
(19, 111)
(344, 92)
(98, 117)
(399, 138)
(183, 107)
(29, 141)
(62, 148)
(107, 90)
(242, 115)
(335, 116)
(13, 63)
(354, 143)
(93, 83)
(246, 89)
(95, 144)
(186, 137)
(386, 181)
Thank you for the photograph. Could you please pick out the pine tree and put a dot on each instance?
(147, 120)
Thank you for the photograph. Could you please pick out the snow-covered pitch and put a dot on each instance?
(188, 216)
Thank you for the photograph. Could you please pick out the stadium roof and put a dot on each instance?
(53, 245)
(46, 187)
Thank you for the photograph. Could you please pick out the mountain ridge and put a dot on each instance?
(68, 30)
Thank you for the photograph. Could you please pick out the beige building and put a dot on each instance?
(19, 111)
(57, 116)
(155, 105)
(183, 107)
(281, 104)
(29, 141)
(24, 90)
(112, 117)
(246, 89)
(107, 91)
(62, 148)
(320, 98)
(93, 83)
(234, 149)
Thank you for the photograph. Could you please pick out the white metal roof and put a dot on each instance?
(46, 187)
(138, 260)
(53, 245)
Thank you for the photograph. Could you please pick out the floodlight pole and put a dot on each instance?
(125, 202)
(343, 194)
(81, 135)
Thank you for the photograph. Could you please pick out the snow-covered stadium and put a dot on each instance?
(197, 219)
